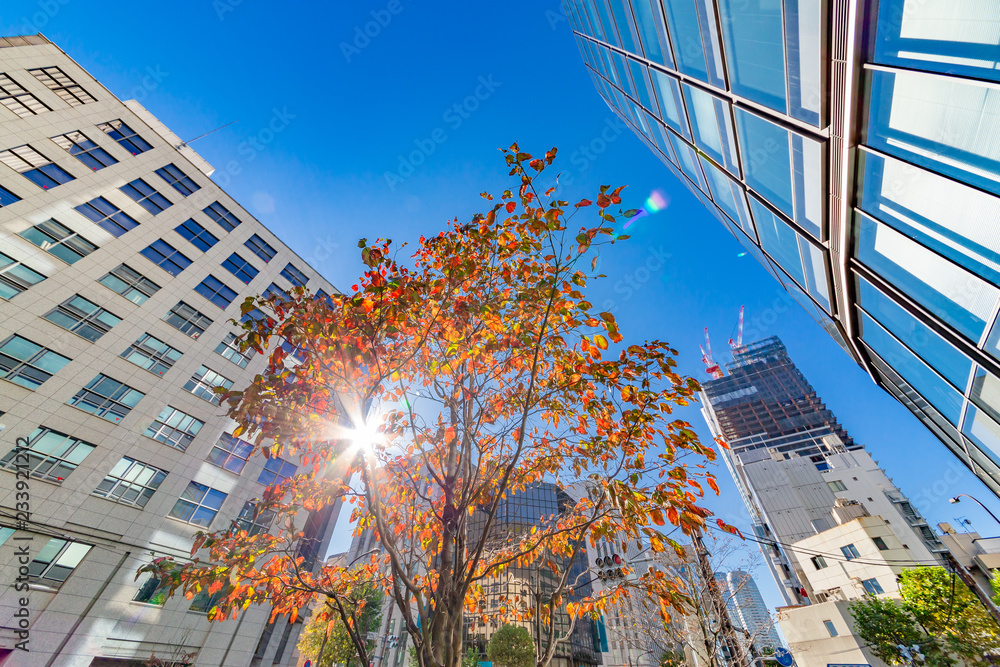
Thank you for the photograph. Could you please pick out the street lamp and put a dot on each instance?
(957, 499)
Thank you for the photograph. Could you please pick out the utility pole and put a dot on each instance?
(727, 631)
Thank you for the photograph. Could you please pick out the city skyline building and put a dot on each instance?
(121, 264)
(748, 611)
(850, 147)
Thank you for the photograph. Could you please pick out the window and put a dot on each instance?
(198, 504)
(34, 166)
(55, 562)
(178, 180)
(107, 216)
(261, 248)
(850, 552)
(215, 291)
(86, 151)
(818, 562)
(146, 196)
(277, 292)
(83, 317)
(198, 236)
(131, 482)
(254, 520)
(125, 136)
(187, 320)
(321, 294)
(107, 398)
(276, 471)
(69, 90)
(230, 349)
(151, 354)
(19, 100)
(174, 428)
(51, 455)
(880, 543)
(203, 602)
(7, 197)
(831, 628)
(230, 453)
(165, 256)
(204, 381)
(15, 277)
(221, 215)
(294, 276)
(836, 485)
(152, 591)
(28, 364)
(872, 586)
(59, 240)
(130, 284)
(240, 268)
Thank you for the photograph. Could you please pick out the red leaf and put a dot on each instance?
(584, 202)
(511, 206)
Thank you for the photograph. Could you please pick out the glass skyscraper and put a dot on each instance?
(853, 148)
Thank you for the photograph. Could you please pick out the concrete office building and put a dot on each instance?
(121, 263)
(852, 147)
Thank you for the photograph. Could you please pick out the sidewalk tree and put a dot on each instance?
(325, 639)
(511, 646)
(436, 387)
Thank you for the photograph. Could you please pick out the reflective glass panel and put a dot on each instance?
(668, 94)
(800, 259)
(696, 41)
(713, 129)
(755, 50)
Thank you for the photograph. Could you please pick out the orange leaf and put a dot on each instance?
(601, 341)
(584, 202)
(511, 206)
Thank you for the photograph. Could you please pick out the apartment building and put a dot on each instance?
(121, 267)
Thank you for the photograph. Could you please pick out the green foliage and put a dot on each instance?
(470, 659)
(884, 625)
(511, 646)
(338, 647)
(672, 659)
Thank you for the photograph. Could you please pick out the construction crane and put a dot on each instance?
(711, 367)
(738, 343)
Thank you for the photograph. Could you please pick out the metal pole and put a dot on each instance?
(975, 500)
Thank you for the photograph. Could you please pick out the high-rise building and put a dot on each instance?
(852, 147)
(121, 266)
(748, 611)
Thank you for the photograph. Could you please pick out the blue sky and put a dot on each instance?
(342, 136)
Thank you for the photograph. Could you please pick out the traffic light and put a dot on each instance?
(609, 568)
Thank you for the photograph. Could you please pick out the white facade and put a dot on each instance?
(91, 616)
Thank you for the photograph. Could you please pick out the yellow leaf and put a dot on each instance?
(601, 341)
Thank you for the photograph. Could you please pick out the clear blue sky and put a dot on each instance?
(344, 120)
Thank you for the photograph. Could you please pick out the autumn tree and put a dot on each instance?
(442, 383)
(325, 639)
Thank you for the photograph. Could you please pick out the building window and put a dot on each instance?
(261, 248)
(321, 294)
(230, 453)
(7, 197)
(146, 196)
(58, 82)
(187, 320)
(199, 237)
(15, 277)
(59, 240)
(880, 543)
(125, 136)
(275, 291)
(152, 591)
(294, 276)
(130, 284)
(28, 364)
(152, 354)
(221, 215)
(131, 482)
(86, 151)
(175, 428)
(84, 318)
(831, 628)
(52, 455)
(850, 552)
(55, 562)
(165, 256)
(276, 471)
(198, 504)
(34, 166)
(215, 291)
(203, 383)
(229, 348)
(178, 180)
(819, 562)
(107, 216)
(254, 520)
(872, 586)
(836, 485)
(19, 100)
(240, 268)
(107, 398)
(203, 602)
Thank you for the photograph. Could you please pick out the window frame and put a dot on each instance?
(277, 476)
(218, 217)
(71, 93)
(136, 470)
(244, 271)
(126, 141)
(219, 293)
(253, 519)
(196, 505)
(12, 90)
(850, 552)
(200, 387)
(25, 372)
(179, 181)
(196, 234)
(15, 278)
(167, 257)
(35, 166)
(83, 321)
(53, 235)
(39, 577)
(89, 156)
(135, 284)
(229, 346)
(173, 428)
(292, 274)
(192, 322)
(117, 222)
(227, 456)
(108, 402)
(65, 456)
(260, 248)
(161, 357)
(153, 201)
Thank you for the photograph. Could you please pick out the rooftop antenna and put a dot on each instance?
(184, 144)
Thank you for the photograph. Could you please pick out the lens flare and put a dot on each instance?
(656, 202)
